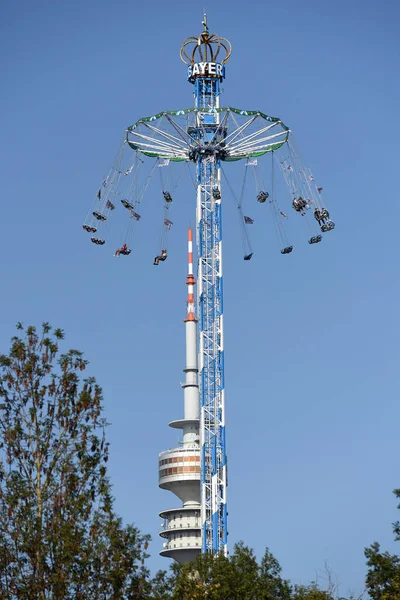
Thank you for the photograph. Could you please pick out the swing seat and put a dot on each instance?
(328, 226)
(97, 241)
(167, 197)
(262, 196)
(216, 193)
(315, 239)
(287, 250)
(127, 204)
(159, 257)
(126, 252)
(99, 216)
(89, 229)
(248, 256)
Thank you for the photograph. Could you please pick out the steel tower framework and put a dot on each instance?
(211, 324)
(208, 135)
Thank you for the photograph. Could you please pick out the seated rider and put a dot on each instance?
(321, 215)
(121, 250)
(167, 196)
(162, 257)
(301, 202)
(262, 196)
(299, 205)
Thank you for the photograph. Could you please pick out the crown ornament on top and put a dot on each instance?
(207, 47)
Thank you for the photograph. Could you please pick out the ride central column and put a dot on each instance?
(206, 76)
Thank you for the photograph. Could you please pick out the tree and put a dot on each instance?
(273, 587)
(59, 536)
(163, 584)
(396, 525)
(238, 577)
(383, 576)
(208, 577)
(245, 571)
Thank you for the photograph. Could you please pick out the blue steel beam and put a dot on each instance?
(210, 311)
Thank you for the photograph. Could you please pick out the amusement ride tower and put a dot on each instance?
(206, 136)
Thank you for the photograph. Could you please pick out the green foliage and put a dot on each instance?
(245, 572)
(383, 577)
(202, 578)
(59, 536)
(162, 585)
(310, 592)
(396, 525)
(273, 586)
(238, 577)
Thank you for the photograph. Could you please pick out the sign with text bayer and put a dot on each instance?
(206, 69)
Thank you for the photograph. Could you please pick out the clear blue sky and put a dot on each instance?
(312, 352)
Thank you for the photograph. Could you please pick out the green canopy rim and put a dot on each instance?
(182, 112)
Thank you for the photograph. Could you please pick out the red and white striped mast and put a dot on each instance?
(190, 281)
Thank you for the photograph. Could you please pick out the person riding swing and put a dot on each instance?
(161, 256)
(122, 250)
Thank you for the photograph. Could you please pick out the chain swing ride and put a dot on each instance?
(169, 138)
(208, 136)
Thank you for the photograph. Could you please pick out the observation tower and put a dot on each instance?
(179, 468)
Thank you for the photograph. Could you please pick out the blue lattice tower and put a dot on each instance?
(205, 74)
